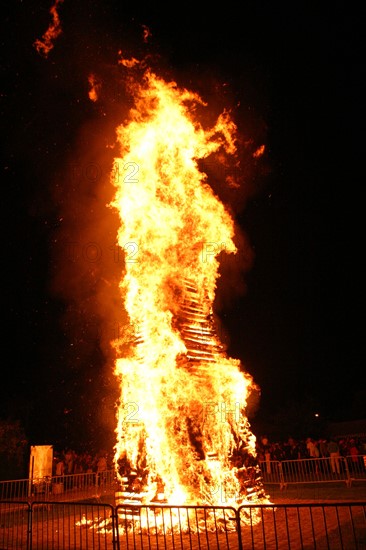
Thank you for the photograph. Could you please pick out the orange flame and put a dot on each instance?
(146, 33)
(129, 63)
(45, 45)
(95, 86)
(181, 422)
(259, 152)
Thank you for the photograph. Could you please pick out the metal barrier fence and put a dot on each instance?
(75, 486)
(83, 526)
(304, 526)
(164, 526)
(314, 470)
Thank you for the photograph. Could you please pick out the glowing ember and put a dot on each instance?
(95, 87)
(45, 45)
(182, 432)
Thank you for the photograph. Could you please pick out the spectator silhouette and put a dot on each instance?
(333, 450)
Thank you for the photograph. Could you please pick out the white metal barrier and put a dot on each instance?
(85, 485)
(347, 469)
(356, 467)
(314, 470)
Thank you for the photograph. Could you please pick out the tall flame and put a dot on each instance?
(182, 433)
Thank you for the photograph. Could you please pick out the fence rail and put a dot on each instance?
(72, 486)
(314, 470)
(89, 526)
(88, 485)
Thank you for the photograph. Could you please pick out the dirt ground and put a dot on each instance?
(315, 493)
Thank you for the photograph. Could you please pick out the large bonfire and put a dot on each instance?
(182, 435)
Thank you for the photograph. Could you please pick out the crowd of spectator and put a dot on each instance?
(69, 462)
(294, 449)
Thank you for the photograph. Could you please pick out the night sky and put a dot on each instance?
(293, 78)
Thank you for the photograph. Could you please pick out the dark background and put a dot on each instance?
(294, 76)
